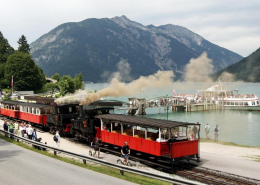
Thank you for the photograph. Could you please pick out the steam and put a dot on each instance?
(73, 98)
(227, 77)
(161, 79)
(122, 73)
(199, 69)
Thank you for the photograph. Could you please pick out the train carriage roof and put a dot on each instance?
(145, 122)
(37, 105)
(12, 102)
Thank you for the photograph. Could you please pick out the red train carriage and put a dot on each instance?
(170, 139)
(35, 113)
(30, 112)
(10, 109)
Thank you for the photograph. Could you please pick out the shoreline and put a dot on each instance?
(204, 140)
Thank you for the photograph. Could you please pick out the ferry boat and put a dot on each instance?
(230, 99)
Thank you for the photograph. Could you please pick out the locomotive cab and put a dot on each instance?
(61, 118)
(86, 126)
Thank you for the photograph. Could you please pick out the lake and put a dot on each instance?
(241, 127)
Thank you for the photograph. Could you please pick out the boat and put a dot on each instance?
(230, 99)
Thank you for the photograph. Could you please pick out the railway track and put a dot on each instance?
(186, 170)
(190, 171)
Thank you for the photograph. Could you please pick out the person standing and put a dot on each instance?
(16, 128)
(216, 132)
(30, 132)
(6, 127)
(57, 135)
(95, 144)
(34, 135)
(195, 131)
(11, 129)
(207, 129)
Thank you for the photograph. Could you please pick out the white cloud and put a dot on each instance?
(228, 23)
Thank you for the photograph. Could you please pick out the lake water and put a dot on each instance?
(241, 127)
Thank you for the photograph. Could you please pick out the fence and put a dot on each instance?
(121, 168)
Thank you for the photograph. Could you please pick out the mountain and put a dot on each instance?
(247, 69)
(95, 46)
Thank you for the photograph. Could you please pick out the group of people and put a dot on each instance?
(23, 129)
(216, 132)
(194, 131)
(125, 150)
(12, 127)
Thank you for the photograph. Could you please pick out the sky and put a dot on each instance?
(232, 24)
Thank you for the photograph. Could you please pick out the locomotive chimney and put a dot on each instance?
(81, 111)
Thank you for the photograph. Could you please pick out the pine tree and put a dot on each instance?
(24, 47)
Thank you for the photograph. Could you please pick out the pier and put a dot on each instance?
(137, 106)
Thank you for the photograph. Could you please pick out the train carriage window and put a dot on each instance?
(232, 103)
(257, 102)
(253, 103)
(246, 103)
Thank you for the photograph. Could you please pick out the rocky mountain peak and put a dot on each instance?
(95, 46)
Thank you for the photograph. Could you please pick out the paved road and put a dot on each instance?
(231, 164)
(24, 167)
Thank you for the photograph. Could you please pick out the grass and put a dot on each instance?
(94, 167)
(226, 143)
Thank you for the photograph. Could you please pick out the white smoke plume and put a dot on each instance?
(122, 73)
(73, 98)
(227, 77)
(161, 79)
(199, 69)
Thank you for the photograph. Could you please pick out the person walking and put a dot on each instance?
(195, 131)
(57, 135)
(207, 129)
(216, 132)
(30, 132)
(125, 151)
(11, 129)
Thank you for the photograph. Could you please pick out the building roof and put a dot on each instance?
(144, 122)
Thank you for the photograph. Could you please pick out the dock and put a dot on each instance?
(137, 106)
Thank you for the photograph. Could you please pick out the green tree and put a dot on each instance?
(23, 47)
(66, 85)
(56, 76)
(82, 82)
(77, 82)
(27, 75)
(51, 87)
(5, 51)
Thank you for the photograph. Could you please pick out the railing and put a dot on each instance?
(122, 168)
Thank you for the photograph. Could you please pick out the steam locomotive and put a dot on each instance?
(156, 137)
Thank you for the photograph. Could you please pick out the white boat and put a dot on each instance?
(230, 99)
